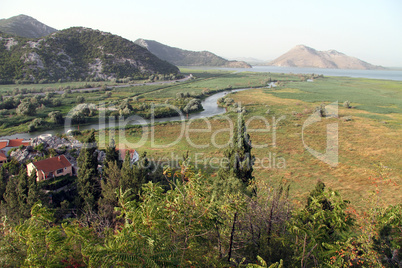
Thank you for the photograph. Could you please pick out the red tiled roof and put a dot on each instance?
(17, 143)
(3, 144)
(52, 164)
(13, 143)
(122, 153)
(3, 157)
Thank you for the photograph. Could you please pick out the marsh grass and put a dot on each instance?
(364, 143)
(374, 96)
(370, 138)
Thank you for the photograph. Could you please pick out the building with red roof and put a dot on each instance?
(52, 167)
(3, 158)
(7, 145)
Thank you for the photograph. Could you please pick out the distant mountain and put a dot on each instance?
(252, 61)
(75, 54)
(25, 26)
(304, 56)
(183, 57)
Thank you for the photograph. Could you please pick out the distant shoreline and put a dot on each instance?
(387, 74)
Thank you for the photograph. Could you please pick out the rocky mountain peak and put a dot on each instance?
(25, 26)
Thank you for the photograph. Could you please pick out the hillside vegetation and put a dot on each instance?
(76, 54)
(181, 57)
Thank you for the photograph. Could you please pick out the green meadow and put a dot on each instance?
(369, 132)
(369, 139)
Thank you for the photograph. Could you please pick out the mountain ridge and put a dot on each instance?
(304, 56)
(181, 57)
(76, 53)
(25, 26)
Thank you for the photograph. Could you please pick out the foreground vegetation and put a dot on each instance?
(170, 209)
(368, 141)
(182, 217)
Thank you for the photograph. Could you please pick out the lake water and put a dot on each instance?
(389, 74)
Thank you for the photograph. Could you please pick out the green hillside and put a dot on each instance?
(181, 57)
(76, 54)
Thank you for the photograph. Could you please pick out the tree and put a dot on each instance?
(388, 239)
(3, 183)
(128, 179)
(88, 185)
(239, 161)
(34, 192)
(56, 102)
(56, 117)
(26, 108)
(80, 99)
(110, 183)
(16, 197)
(112, 154)
(319, 227)
(142, 169)
(262, 227)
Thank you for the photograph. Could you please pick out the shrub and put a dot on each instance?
(80, 99)
(229, 101)
(321, 110)
(39, 148)
(26, 108)
(56, 102)
(56, 117)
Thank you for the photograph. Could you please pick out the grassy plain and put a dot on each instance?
(211, 81)
(369, 144)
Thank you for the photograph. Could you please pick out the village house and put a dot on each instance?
(134, 156)
(52, 167)
(7, 145)
(3, 158)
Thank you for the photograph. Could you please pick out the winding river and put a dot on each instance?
(210, 105)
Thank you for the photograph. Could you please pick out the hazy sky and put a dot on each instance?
(263, 29)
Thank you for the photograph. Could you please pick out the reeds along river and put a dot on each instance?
(209, 104)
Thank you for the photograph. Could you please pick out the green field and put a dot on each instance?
(374, 96)
(370, 140)
(203, 84)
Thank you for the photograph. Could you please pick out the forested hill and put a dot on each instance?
(183, 57)
(76, 54)
(25, 26)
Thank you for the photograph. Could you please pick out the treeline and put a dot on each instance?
(50, 110)
(124, 216)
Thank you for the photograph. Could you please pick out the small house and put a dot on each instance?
(7, 145)
(49, 168)
(134, 156)
(3, 158)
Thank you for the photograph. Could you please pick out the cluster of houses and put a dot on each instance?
(45, 169)
(54, 166)
(7, 145)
